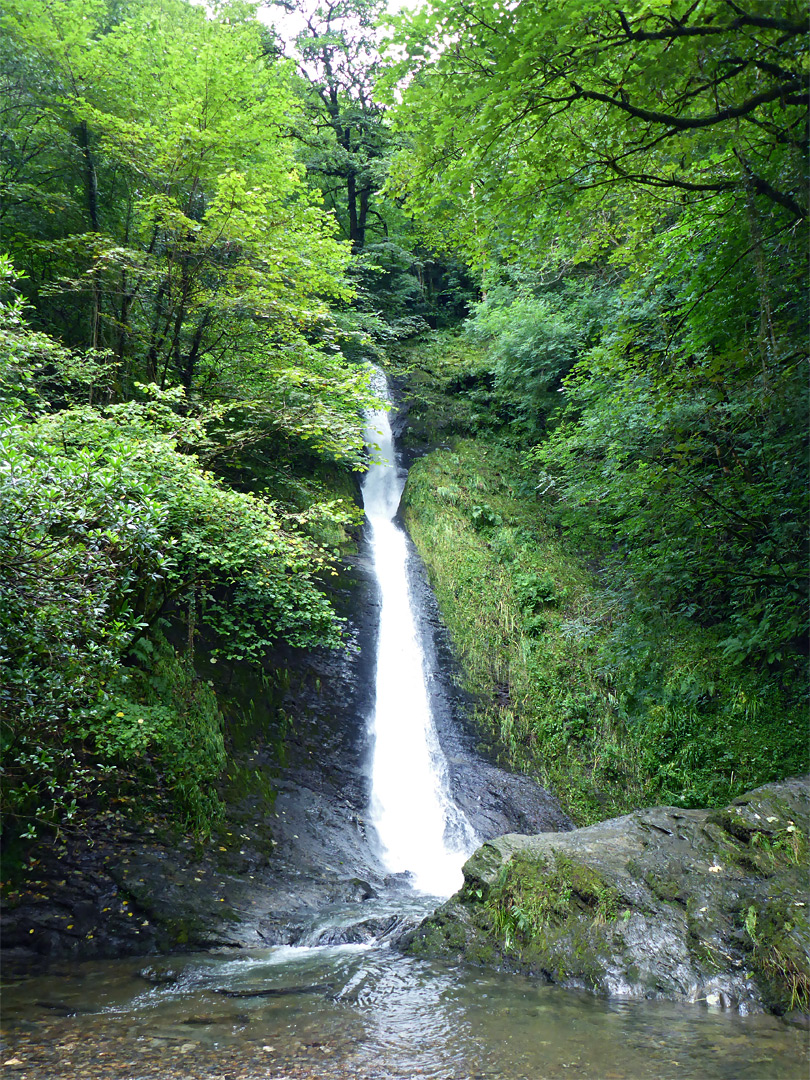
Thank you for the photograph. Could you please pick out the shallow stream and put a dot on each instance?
(365, 1011)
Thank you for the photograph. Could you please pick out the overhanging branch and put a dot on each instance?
(692, 123)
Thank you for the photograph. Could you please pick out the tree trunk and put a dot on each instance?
(351, 196)
(365, 194)
(91, 192)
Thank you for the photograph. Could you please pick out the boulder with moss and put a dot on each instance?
(692, 905)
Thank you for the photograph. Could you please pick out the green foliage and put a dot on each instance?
(778, 956)
(339, 124)
(613, 702)
(408, 285)
(105, 526)
(163, 724)
(161, 217)
(679, 454)
(484, 517)
(519, 641)
(532, 342)
(690, 481)
(529, 896)
(167, 236)
(108, 523)
(534, 591)
(637, 201)
(345, 142)
(585, 122)
(76, 534)
(788, 844)
(447, 386)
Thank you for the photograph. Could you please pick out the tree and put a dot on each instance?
(514, 104)
(663, 148)
(109, 525)
(187, 241)
(179, 273)
(345, 143)
(339, 123)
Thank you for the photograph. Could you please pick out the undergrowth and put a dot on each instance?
(162, 728)
(528, 896)
(611, 702)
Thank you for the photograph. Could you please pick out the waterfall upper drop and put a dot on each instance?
(420, 828)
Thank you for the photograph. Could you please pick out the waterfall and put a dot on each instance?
(420, 829)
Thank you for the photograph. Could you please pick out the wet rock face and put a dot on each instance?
(295, 838)
(691, 905)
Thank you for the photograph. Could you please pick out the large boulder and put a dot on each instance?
(692, 905)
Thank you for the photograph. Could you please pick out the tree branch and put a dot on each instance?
(686, 123)
(678, 30)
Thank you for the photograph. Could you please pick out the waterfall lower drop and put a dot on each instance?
(420, 828)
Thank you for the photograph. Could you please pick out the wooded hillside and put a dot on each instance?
(208, 229)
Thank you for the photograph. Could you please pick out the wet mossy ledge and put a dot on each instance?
(581, 674)
(691, 905)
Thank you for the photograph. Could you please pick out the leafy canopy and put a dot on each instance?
(522, 112)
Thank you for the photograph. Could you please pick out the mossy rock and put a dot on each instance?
(778, 927)
(683, 904)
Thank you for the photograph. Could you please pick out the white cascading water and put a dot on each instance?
(419, 827)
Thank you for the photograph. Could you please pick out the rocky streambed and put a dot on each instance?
(691, 905)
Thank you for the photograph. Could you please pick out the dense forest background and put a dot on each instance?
(577, 233)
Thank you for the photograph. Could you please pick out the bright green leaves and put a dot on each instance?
(78, 534)
(106, 528)
(165, 723)
(211, 537)
(636, 175)
(152, 197)
(511, 104)
(191, 245)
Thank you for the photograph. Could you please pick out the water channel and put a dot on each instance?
(363, 1010)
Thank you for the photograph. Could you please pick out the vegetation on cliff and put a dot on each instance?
(632, 184)
(207, 235)
(578, 675)
(612, 700)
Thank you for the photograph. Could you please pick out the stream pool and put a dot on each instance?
(364, 1011)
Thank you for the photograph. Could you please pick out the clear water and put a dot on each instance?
(366, 1011)
(419, 828)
